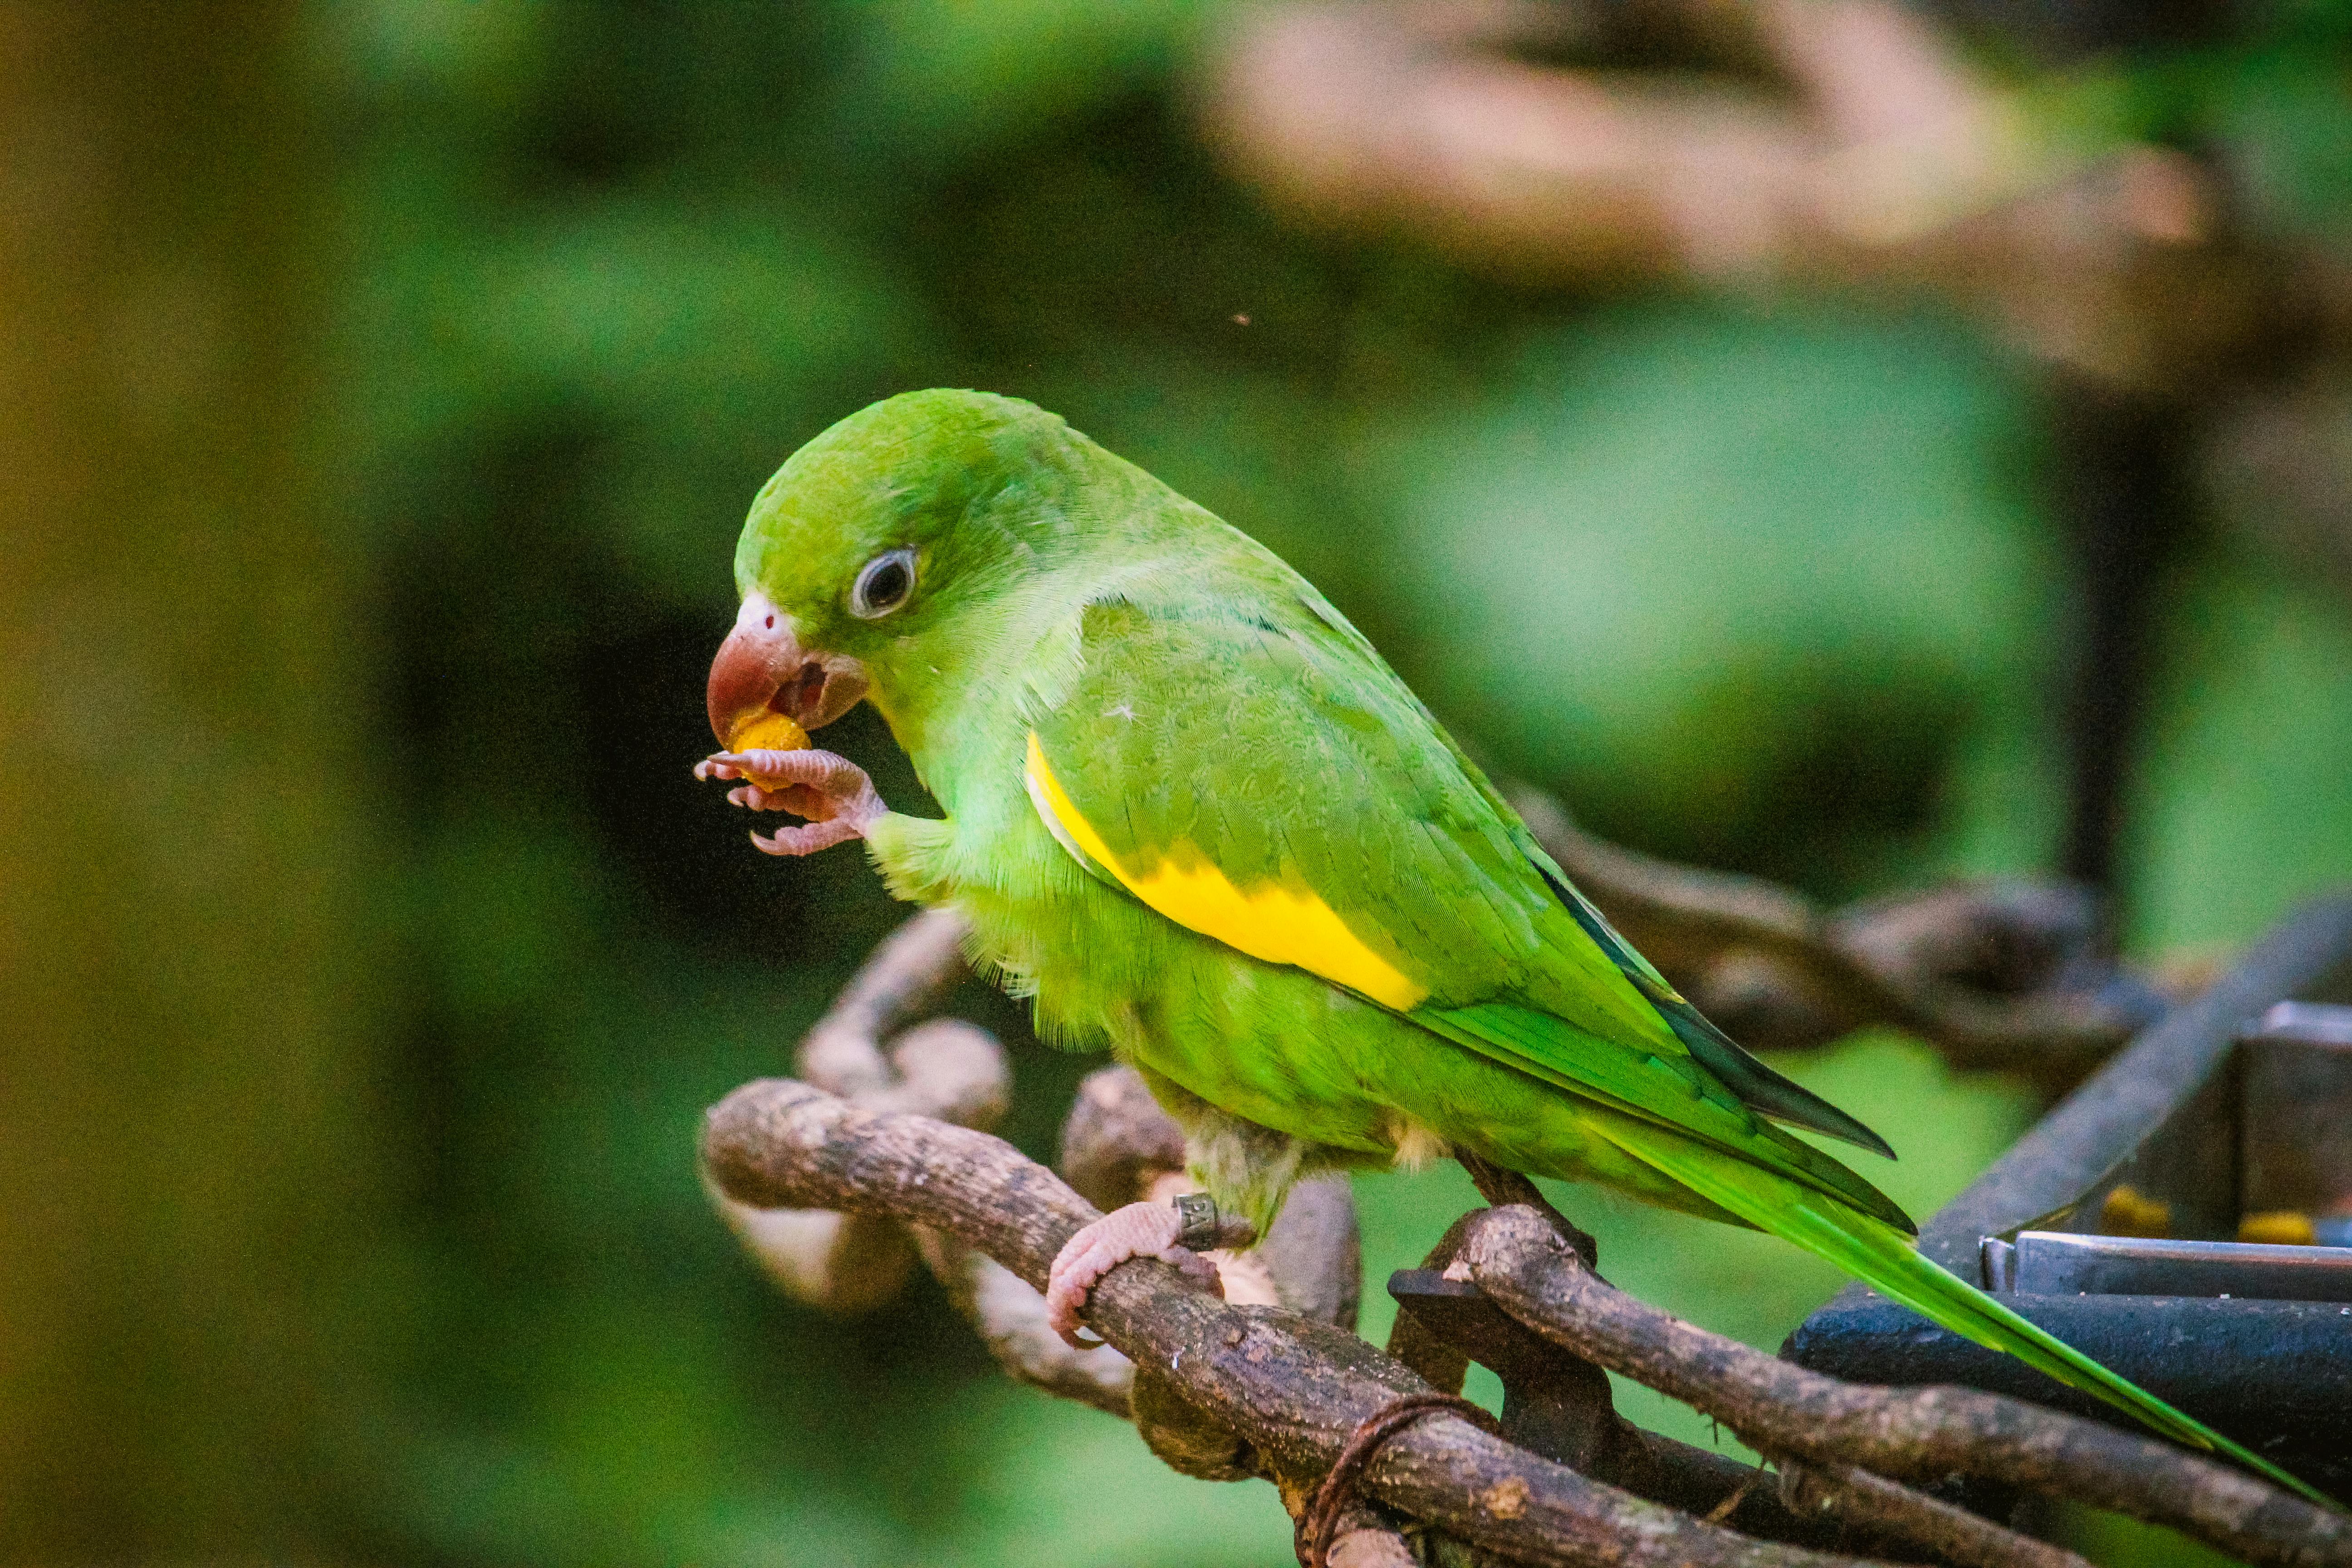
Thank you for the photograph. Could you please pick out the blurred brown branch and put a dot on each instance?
(1806, 142)
(1271, 1383)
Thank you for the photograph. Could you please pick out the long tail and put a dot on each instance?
(1883, 1258)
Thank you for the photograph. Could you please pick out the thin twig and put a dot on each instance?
(1949, 1533)
(1011, 1319)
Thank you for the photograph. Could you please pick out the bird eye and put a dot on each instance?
(883, 584)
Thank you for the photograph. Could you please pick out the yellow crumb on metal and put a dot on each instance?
(2126, 1212)
(2280, 1227)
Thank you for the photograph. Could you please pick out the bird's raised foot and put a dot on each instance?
(830, 790)
(1139, 1230)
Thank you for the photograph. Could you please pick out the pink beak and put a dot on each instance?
(763, 667)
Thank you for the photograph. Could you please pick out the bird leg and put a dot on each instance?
(1137, 1230)
(830, 791)
(1242, 1275)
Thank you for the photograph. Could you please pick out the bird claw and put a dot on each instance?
(1137, 1230)
(830, 791)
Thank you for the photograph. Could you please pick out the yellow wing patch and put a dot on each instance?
(1269, 921)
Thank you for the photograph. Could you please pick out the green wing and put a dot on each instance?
(1657, 1090)
(1276, 750)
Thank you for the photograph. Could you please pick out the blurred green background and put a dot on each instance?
(385, 383)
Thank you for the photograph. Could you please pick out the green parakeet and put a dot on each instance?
(1192, 812)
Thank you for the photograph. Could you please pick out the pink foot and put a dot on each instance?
(1139, 1230)
(830, 791)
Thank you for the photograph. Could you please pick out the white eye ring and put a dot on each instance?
(884, 584)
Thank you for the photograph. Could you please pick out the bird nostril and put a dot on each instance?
(770, 623)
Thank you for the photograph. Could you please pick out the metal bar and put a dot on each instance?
(2306, 1022)
(2275, 1374)
(2101, 1123)
(2055, 1263)
(2272, 1375)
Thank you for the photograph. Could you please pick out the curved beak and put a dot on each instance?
(761, 668)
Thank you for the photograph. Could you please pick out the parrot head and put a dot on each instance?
(882, 547)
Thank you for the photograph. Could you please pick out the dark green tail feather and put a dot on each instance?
(1758, 1086)
(1881, 1258)
(1677, 1093)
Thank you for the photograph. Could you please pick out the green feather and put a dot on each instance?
(1676, 1093)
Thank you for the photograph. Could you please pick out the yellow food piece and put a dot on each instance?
(2128, 1213)
(767, 730)
(2280, 1228)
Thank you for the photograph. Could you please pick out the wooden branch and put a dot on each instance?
(1119, 1146)
(911, 968)
(944, 1069)
(1313, 1254)
(1560, 1405)
(1228, 1390)
(1291, 1388)
(1366, 1541)
(839, 1193)
(1918, 1435)
(1116, 1139)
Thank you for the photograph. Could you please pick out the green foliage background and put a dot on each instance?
(1765, 586)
